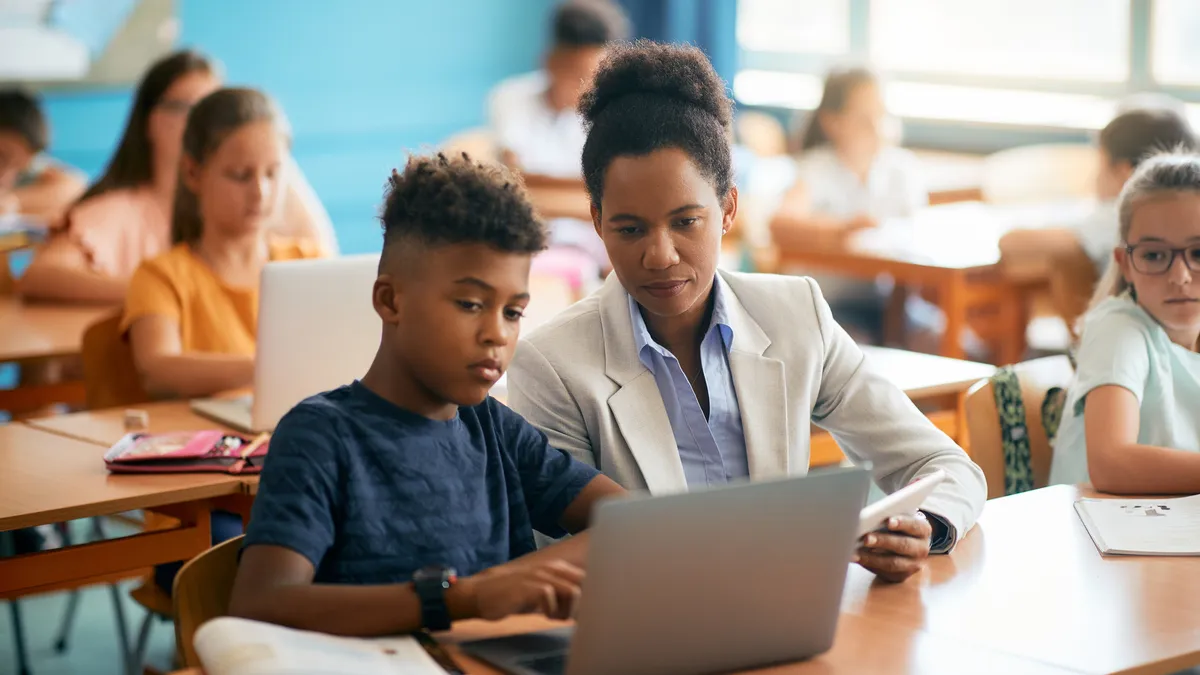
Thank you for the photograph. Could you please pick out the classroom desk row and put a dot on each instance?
(1024, 592)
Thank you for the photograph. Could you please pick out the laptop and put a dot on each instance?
(317, 330)
(718, 580)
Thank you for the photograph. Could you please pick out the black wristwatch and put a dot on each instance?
(431, 584)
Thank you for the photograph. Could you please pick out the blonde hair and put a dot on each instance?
(209, 123)
(1155, 176)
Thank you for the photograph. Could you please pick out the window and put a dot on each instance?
(795, 26)
(1029, 39)
(1175, 58)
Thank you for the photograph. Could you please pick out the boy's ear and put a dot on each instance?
(384, 296)
(189, 172)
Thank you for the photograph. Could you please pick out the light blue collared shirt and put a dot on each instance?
(713, 450)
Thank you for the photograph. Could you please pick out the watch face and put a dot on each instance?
(435, 573)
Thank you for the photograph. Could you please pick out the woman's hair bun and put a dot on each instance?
(644, 67)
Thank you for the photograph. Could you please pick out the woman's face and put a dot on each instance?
(661, 221)
(1171, 294)
(169, 116)
(240, 186)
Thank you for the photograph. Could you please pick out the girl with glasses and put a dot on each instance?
(1130, 424)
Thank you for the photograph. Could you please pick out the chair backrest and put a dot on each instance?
(109, 376)
(202, 591)
(1039, 173)
(1000, 414)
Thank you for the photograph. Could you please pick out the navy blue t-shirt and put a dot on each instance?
(370, 492)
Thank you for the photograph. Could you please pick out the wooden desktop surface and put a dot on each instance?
(35, 330)
(105, 427)
(926, 376)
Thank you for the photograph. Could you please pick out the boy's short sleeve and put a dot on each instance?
(1114, 351)
(297, 491)
(150, 293)
(550, 478)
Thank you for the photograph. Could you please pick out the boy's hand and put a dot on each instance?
(898, 552)
(549, 587)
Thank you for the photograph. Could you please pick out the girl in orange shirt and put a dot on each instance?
(191, 312)
(125, 217)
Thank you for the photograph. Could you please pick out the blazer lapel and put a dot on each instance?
(637, 406)
(761, 390)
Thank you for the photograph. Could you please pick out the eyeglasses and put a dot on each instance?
(1156, 258)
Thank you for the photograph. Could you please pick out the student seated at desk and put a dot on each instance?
(1124, 142)
(1131, 424)
(191, 313)
(848, 178)
(31, 183)
(125, 217)
(376, 493)
(675, 375)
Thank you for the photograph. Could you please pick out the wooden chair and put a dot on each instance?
(202, 591)
(987, 429)
(1039, 173)
(109, 376)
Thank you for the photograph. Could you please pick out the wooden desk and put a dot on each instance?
(48, 478)
(32, 332)
(951, 249)
(1029, 581)
(106, 427)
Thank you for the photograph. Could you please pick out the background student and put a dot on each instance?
(191, 313)
(1130, 424)
(125, 216)
(676, 375)
(378, 492)
(849, 176)
(31, 183)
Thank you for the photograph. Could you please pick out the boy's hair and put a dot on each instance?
(440, 200)
(209, 123)
(1134, 135)
(132, 165)
(21, 113)
(1163, 173)
(588, 23)
(648, 96)
(839, 85)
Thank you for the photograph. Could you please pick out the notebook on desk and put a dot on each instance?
(1143, 526)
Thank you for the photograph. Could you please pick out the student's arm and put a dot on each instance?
(50, 195)
(795, 223)
(1118, 464)
(167, 370)
(60, 271)
(874, 421)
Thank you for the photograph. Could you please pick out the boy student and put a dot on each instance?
(30, 182)
(408, 499)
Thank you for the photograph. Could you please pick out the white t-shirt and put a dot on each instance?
(1123, 345)
(894, 188)
(545, 141)
(1098, 234)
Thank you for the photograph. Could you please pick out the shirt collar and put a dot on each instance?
(643, 341)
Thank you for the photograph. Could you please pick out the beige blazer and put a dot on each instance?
(578, 379)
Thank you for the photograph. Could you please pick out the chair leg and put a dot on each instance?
(19, 638)
(68, 620)
(122, 629)
(143, 643)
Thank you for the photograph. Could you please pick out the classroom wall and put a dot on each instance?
(362, 82)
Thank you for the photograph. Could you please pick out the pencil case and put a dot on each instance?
(187, 452)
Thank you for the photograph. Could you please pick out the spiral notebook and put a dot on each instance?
(1156, 527)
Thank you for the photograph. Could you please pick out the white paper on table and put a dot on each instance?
(1143, 526)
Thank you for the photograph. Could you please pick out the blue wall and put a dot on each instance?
(363, 81)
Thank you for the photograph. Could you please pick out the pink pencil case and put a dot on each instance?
(187, 452)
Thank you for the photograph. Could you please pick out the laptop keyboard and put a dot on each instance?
(549, 664)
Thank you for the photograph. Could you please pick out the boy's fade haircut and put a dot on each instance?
(21, 113)
(588, 23)
(439, 200)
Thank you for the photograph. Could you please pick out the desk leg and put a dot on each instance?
(952, 299)
(1014, 313)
